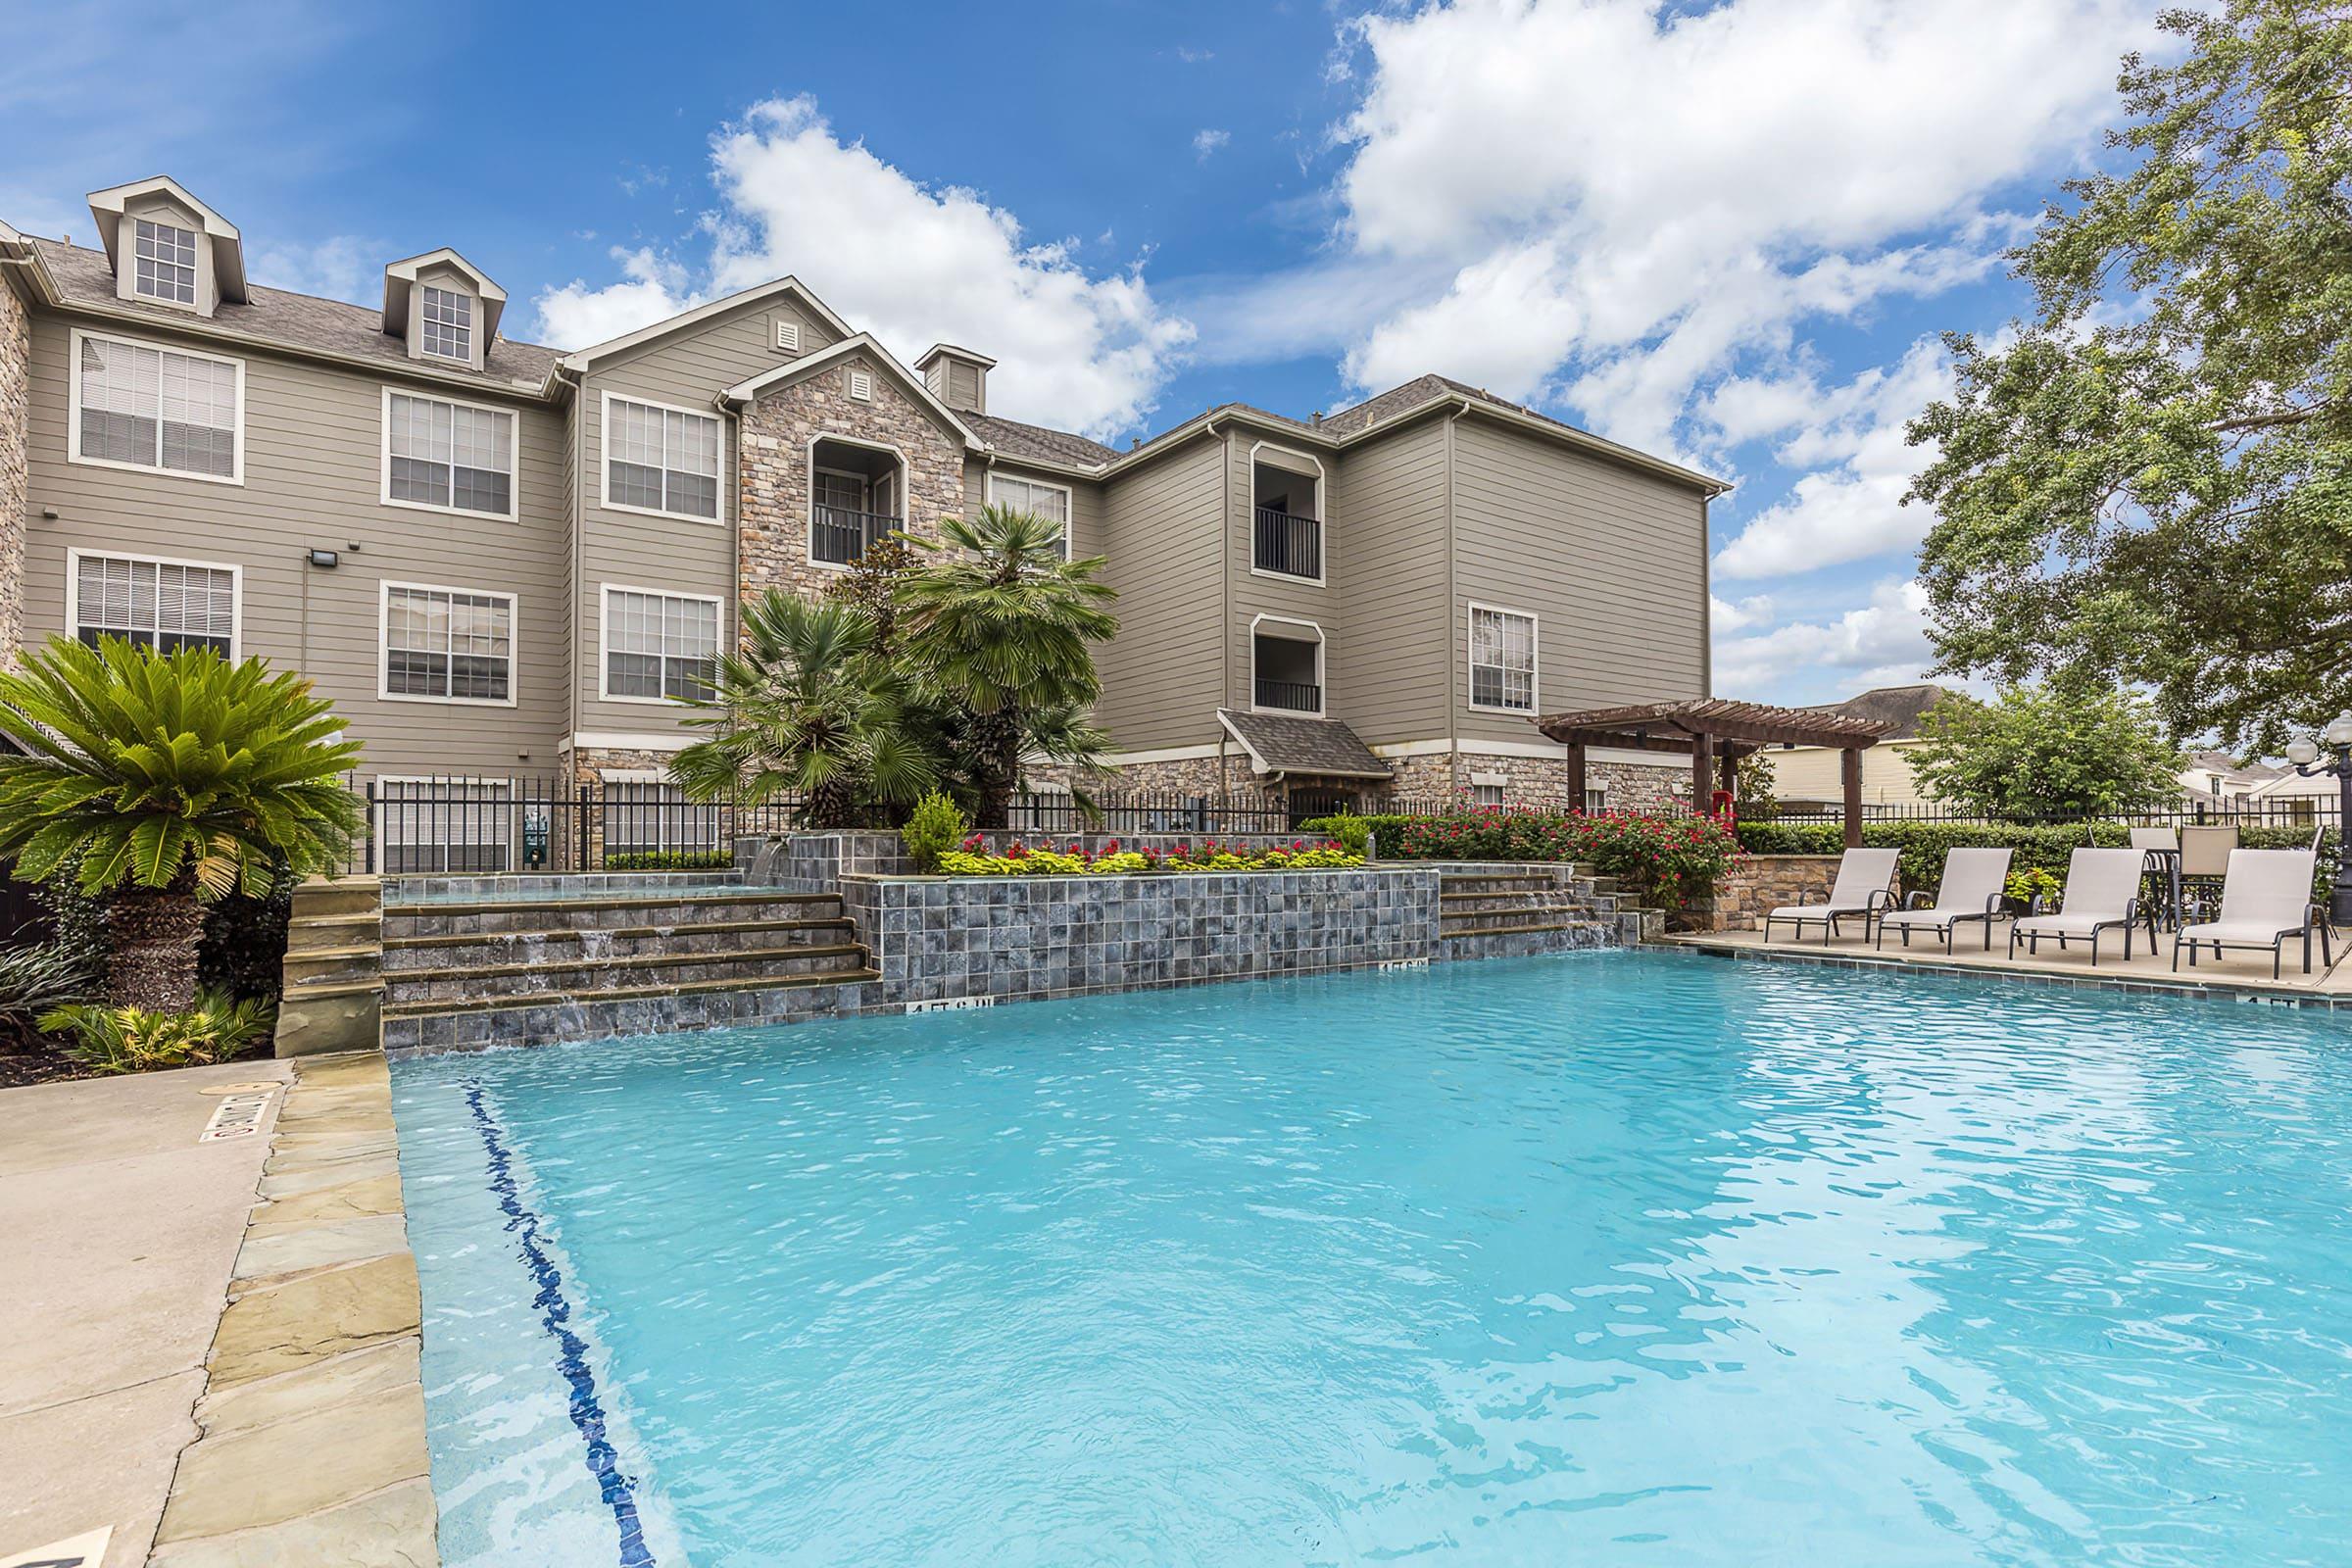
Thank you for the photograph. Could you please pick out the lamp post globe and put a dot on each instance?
(2302, 752)
(2338, 733)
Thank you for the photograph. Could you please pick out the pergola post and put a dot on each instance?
(1728, 770)
(1702, 770)
(1849, 778)
(1578, 794)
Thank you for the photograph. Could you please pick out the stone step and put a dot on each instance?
(410, 953)
(314, 990)
(1513, 930)
(600, 913)
(359, 961)
(345, 894)
(1461, 882)
(538, 1020)
(495, 985)
(520, 1001)
(307, 933)
(1453, 921)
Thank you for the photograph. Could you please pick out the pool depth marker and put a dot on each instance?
(572, 1360)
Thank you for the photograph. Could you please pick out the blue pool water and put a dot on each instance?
(1597, 1260)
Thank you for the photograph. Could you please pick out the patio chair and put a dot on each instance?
(1972, 889)
(1862, 888)
(2266, 897)
(2102, 891)
(2205, 857)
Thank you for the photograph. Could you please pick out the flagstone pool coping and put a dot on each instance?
(313, 1438)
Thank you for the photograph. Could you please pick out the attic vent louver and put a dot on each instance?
(861, 387)
(788, 336)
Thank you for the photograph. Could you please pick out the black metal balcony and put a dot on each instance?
(840, 536)
(1289, 544)
(1291, 696)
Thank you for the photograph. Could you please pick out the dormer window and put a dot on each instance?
(448, 324)
(166, 263)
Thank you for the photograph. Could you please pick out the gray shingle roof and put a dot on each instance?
(1279, 742)
(297, 320)
(1017, 440)
(1903, 707)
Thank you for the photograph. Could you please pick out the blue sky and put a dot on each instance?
(1725, 232)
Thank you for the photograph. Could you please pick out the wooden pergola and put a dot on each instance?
(1716, 733)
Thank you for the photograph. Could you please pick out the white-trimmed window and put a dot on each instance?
(1484, 795)
(445, 825)
(1502, 659)
(658, 646)
(165, 263)
(163, 605)
(1051, 501)
(140, 405)
(448, 644)
(447, 457)
(448, 317)
(660, 460)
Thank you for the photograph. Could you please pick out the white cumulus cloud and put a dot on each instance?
(1882, 642)
(912, 263)
(1206, 142)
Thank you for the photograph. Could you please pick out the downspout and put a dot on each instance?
(1457, 624)
(577, 524)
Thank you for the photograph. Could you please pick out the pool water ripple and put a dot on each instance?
(1621, 1258)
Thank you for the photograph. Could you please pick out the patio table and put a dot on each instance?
(2166, 864)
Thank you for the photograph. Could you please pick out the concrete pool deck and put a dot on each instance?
(216, 1348)
(2236, 975)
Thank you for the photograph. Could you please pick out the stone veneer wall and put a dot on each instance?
(1540, 781)
(813, 862)
(15, 399)
(1762, 883)
(772, 509)
(1028, 939)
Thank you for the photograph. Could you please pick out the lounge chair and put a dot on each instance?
(2266, 897)
(1972, 889)
(1864, 877)
(2102, 891)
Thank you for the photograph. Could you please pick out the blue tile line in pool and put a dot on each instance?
(571, 1352)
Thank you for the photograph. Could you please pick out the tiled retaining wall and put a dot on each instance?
(813, 862)
(1032, 938)
(551, 885)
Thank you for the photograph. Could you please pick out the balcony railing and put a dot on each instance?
(1289, 544)
(1291, 696)
(839, 535)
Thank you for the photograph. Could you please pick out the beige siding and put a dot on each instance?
(314, 478)
(1162, 676)
(686, 370)
(1811, 774)
(1387, 529)
(1611, 563)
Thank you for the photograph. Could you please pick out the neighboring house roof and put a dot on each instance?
(269, 316)
(1016, 440)
(1321, 748)
(2229, 767)
(1901, 707)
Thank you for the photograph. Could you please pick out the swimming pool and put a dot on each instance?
(1610, 1258)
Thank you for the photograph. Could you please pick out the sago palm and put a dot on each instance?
(171, 780)
(998, 624)
(802, 709)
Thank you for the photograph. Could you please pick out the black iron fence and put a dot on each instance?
(2305, 811)
(1285, 542)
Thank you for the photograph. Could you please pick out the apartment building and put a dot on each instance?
(502, 559)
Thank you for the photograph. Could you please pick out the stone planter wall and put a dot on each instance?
(1032, 938)
(813, 862)
(1762, 883)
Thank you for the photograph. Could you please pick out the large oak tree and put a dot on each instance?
(2151, 480)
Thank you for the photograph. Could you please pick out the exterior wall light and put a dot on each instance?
(325, 559)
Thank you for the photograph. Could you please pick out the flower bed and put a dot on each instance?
(1669, 861)
(1114, 860)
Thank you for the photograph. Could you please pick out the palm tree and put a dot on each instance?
(171, 780)
(1001, 625)
(802, 709)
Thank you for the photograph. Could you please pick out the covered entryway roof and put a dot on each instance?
(1716, 732)
(1286, 746)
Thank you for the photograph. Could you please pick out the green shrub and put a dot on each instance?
(1352, 831)
(934, 827)
(1924, 845)
(37, 980)
(1669, 861)
(119, 1040)
(242, 952)
(670, 860)
(2031, 883)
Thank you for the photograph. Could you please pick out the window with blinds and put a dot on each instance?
(448, 318)
(164, 605)
(150, 408)
(660, 460)
(658, 646)
(454, 825)
(1502, 659)
(449, 455)
(1049, 500)
(165, 259)
(448, 644)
